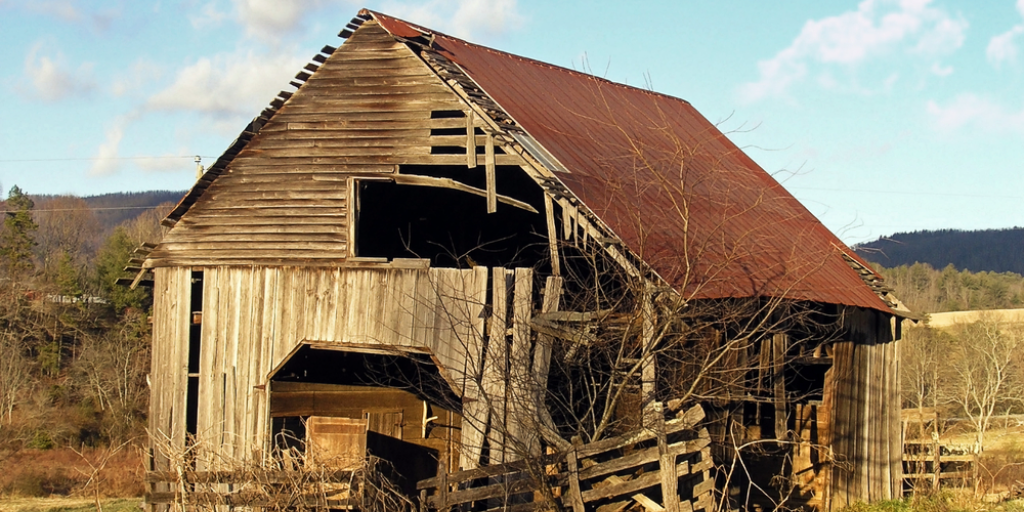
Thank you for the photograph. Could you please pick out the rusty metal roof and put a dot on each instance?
(680, 195)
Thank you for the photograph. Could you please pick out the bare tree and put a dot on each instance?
(985, 371)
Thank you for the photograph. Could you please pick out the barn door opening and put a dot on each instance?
(335, 402)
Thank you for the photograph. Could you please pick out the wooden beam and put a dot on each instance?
(556, 267)
(427, 181)
(492, 203)
(471, 139)
(780, 344)
(648, 370)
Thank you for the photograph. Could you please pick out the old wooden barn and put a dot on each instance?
(464, 261)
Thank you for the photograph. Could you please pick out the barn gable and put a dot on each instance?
(371, 109)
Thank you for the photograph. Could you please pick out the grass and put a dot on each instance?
(63, 504)
(942, 502)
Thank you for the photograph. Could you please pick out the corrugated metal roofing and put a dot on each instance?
(679, 194)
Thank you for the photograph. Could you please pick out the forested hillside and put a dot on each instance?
(927, 290)
(74, 346)
(993, 250)
(111, 210)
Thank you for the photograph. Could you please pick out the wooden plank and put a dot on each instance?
(642, 457)
(427, 181)
(574, 496)
(496, 363)
(630, 487)
(471, 139)
(780, 345)
(556, 266)
(519, 422)
(648, 370)
(492, 203)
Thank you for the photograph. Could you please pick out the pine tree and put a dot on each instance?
(18, 236)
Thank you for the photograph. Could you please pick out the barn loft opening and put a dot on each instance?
(450, 227)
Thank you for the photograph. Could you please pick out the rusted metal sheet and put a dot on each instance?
(671, 185)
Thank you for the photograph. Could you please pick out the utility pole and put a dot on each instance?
(199, 167)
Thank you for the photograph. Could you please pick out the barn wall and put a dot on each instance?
(168, 372)
(253, 317)
(865, 400)
(284, 199)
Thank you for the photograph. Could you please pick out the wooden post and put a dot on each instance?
(442, 486)
(575, 497)
(649, 369)
(667, 463)
(492, 193)
(496, 364)
(556, 267)
(470, 139)
(780, 343)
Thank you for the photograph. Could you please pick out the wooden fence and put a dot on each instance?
(930, 465)
(670, 463)
(276, 489)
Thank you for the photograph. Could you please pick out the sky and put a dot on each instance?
(880, 116)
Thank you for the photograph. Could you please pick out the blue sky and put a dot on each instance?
(881, 116)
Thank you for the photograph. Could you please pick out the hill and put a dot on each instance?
(113, 209)
(993, 250)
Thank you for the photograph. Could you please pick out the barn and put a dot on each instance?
(460, 260)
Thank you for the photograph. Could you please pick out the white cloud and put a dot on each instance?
(469, 19)
(270, 17)
(940, 70)
(972, 110)
(209, 17)
(228, 85)
(875, 29)
(107, 162)
(141, 72)
(1003, 47)
(53, 79)
(69, 12)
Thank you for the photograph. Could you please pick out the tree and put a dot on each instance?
(67, 235)
(17, 238)
(986, 371)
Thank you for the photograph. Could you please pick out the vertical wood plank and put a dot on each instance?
(496, 363)
(556, 265)
(648, 370)
(519, 396)
(492, 193)
(471, 139)
(780, 344)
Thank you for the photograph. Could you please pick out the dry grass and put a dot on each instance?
(55, 504)
(62, 472)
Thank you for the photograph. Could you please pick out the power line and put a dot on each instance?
(82, 159)
(84, 209)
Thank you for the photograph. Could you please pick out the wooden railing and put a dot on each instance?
(671, 461)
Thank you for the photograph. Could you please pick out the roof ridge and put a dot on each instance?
(435, 33)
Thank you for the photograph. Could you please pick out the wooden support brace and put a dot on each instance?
(667, 463)
(556, 267)
(780, 344)
(470, 140)
(649, 369)
(492, 194)
(575, 498)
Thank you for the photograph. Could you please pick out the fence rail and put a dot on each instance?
(671, 462)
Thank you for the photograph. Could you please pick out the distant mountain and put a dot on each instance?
(993, 250)
(113, 209)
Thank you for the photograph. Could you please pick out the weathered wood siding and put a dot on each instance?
(284, 198)
(253, 317)
(168, 373)
(865, 400)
